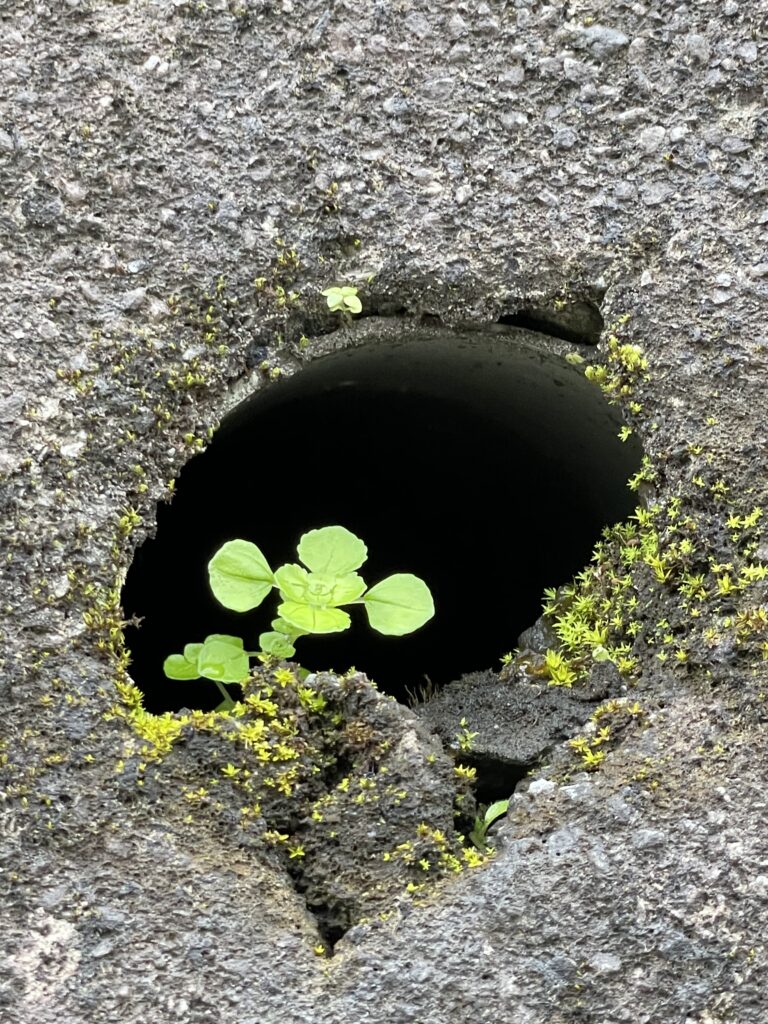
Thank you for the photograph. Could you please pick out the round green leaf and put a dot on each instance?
(239, 575)
(232, 641)
(310, 619)
(176, 666)
(281, 626)
(399, 604)
(277, 644)
(191, 652)
(332, 551)
(223, 659)
(353, 304)
(333, 298)
(292, 581)
(347, 588)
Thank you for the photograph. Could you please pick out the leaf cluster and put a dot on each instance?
(311, 598)
(343, 300)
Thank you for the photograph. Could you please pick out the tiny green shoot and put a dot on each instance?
(484, 820)
(343, 300)
(465, 737)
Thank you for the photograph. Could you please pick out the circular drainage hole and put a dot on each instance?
(481, 462)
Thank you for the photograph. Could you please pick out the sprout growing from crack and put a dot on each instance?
(484, 820)
(343, 300)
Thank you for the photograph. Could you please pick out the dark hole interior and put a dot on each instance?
(480, 462)
(496, 779)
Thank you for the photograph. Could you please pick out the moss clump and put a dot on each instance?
(606, 724)
(677, 554)
(325, 774)
(679, 559)
(624, 368)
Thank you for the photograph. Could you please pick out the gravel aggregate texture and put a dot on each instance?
(458, 162)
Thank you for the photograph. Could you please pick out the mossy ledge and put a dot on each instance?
(337, 783)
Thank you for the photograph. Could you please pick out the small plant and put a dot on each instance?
(558, 669)
(311, 599)
(343, 300)
(464, 737)
(484, 821)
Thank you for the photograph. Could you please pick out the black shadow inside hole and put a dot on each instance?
(483, 464)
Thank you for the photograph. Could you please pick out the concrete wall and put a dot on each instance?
(453, 160)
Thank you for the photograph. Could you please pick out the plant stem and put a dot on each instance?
(225, 694)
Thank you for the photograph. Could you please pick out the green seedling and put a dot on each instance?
(220, 657)
(465, 737)
(311, 596)
(484, 821)
(343, 300)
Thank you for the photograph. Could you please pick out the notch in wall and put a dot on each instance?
(580, 322)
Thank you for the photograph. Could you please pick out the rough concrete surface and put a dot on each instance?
(455, 160)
